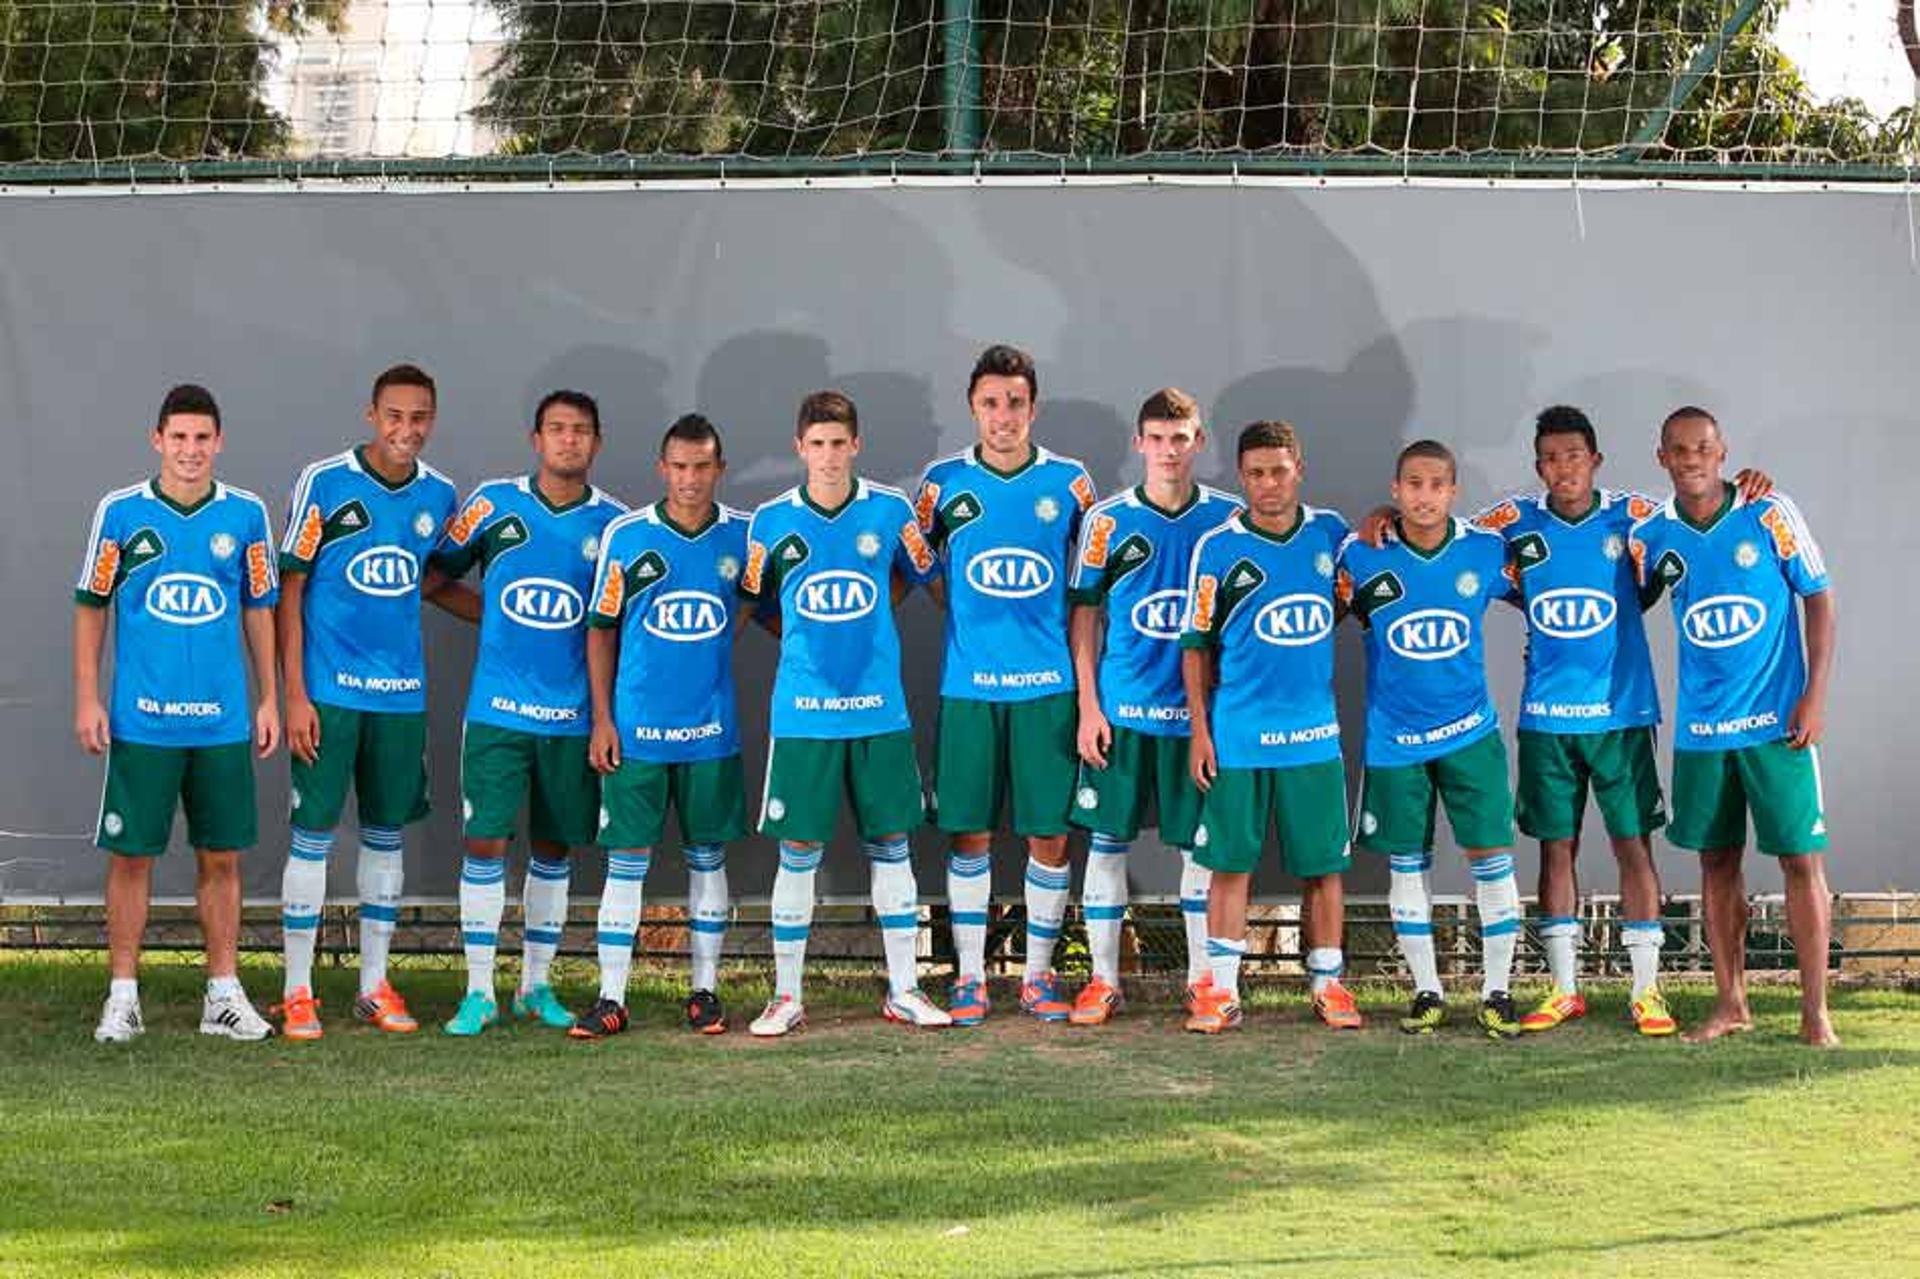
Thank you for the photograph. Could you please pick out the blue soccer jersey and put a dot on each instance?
(1733, 581)
(361, 542)
(672, 592)
(537, 565)
(1005, 541)
(178, 579)
(1265, 603)
(829, 575)
(1424, 614)
(1133, 560)
(1588, 668)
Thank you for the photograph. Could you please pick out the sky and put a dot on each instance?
(1844, 48)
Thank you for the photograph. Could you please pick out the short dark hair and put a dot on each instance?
(1005, 361)
(1168, 404)
(572, 399)
(1429, 449)
(1564, 419)
(405, 375)
(692, 428)
(1269, 435)
(826, 406)
(1684, 412)
(188, 397)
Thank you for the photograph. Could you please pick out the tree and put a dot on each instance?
(131, 79)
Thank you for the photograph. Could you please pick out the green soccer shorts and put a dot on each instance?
(1558, 769)
(806, 777)
(990, 753)
(1397, 802)
(1306, 805)
(146, 784)
(708, 794)
(500, 768)
(1144, 774)
(382, 755)
(1713, 791)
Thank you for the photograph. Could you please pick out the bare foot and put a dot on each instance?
(1817, 1031)
(1721, 1021)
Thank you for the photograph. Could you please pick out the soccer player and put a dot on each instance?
(537, 539)
(831, 557)
(1003, 517)
(1129, 591)
(1266, 738)
(665, 731)
(361, 525)
(1751, 705)
(1431, 726)
(186, 565)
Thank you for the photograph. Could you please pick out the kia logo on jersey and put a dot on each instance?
(1158, 615)
(384, 570)
(1429, 634)
(186, 599)
(1294, 620)
(1010, 573)
(542, 603)
(686, 617)
(1571, 612)
(1721, 621)
(835, 595)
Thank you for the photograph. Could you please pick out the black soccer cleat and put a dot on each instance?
(603, 1019)
(1498, 1015)
(705, 1016)
(1428, 1011)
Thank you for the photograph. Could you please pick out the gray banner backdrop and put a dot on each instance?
(1368, 315)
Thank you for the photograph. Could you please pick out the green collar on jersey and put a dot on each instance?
(1593, 504)
(1174, 513)
(1299, 522)
(553, 508)
(392, 486)
(713, 518)
(183, 508)
(1436, 552)
(1704, 526)
(1033, 456)
(826, 513)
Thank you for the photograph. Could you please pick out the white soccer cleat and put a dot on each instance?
(233, 1017)
(782, 1014)
(913, 1008)
(120, 1022)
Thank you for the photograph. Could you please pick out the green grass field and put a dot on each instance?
(1021, 1150)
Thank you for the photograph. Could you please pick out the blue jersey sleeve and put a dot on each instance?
(262, 587)
(1793, 546)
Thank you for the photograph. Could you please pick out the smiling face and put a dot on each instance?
(402, 421)
(1424, 490)
(1170, 449)
(566, 441)
(1693, 453)
(1003, 408)
(692, 471)
(187, 444)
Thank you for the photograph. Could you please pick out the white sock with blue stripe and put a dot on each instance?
(483, 900)
(381, 875)
(543, 912)
(707, 910)
(1223, 963)
(1412, 908)
(1324, 966)
(618, 921)
(896, 904)
(969, 897)
(1559, 937)
(1195, 881)
(1643, 939)
(1103, 898)
(1497, 894)
(303, 891)
(1046, 896)
(793, 914)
